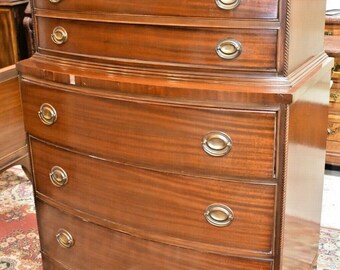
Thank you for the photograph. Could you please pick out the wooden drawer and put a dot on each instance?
(248, 9)
(333, 140)
(95, 246)
(334, 98)
(148, 201)
(161, 136)
(180, 46)
(332, 30)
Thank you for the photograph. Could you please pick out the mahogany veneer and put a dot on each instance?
(177, 134)
(13, 147)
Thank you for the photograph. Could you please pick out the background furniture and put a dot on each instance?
(12, 38)
(332, 47)
(13, 147)
(28, 26)
(177, 135)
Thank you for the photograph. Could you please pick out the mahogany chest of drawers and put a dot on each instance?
(181, 135)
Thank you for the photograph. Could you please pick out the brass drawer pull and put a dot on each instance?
(227, 4)
(217, 143)
(336, 72)
(64, 238)
(334, 97)
(219, 215)
(54, 1)
(58, 176)
(229, 49)
(47, 114)
(59, 35)
(332, 131)
(329, 33)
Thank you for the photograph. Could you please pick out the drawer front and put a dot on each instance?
(96, 246)
(150, 201)
(200, 8)
(332, 30)
(161, 45)
(334, 98)
(160, 136)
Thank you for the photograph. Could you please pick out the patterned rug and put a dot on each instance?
(19, 240)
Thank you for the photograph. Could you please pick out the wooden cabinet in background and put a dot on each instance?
(332, 47)
(13, 146)
(13, 45)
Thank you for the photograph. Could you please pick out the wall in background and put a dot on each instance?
(333, 4)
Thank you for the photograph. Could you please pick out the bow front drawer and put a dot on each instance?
(167, 137)
(248, 9)
(186, 47)
(169, 207)
(95, 246)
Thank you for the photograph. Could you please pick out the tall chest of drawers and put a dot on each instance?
(177, 134)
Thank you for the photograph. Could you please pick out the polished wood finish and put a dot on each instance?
(123, 251)
(13, 147)
(306, 144)
(12, 40)
(293, 24)
(51, 264)
(332, 47)
(135, 90)
(167, 135)
(247, 9)
(126, 197)
(192, 48)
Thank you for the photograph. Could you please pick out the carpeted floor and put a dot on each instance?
(19, 241)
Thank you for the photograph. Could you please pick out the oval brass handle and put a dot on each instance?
(64, 238)
(227, 4)
(217, 143)
(59, 35)
(54, 1)
(333, 97)
(336, 72)
(47, 114)
(219, 215)
(229, 49)
(58, 176)
(332, 131)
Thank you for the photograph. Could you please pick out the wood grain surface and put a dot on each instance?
(247, 9)
(13, 145)
(149, 202)
(13, 45)
(160, 45)
(95, 246)
(8, 45)
(161, 136)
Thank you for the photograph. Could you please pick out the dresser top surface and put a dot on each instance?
(202, 88)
